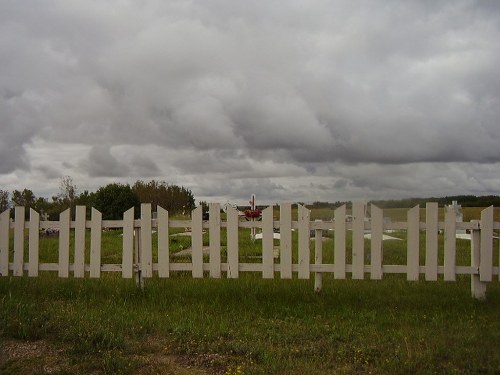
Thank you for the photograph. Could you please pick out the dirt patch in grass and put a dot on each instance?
(151, 357)
(33, 357)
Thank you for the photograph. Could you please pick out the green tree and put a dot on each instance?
(42, 206)
(86, 199)
(204, 206)
(153, 192)
(24, 198)
(171, 197)
(114, 199)
(4, 200)
(68, 193)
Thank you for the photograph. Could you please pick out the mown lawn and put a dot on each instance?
(252, 326)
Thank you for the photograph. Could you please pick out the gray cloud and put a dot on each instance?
(292, 99)
(101, 163)
(145, 167)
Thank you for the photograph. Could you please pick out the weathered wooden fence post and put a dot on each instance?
(478, 288)
(318, 257)
(4, 242)
(139, 278)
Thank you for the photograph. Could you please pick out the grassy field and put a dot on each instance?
(399, 214)
(248, 325)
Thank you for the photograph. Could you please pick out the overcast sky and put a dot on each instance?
(290, 100)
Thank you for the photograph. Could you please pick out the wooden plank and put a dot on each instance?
(394, 268)
(34, 243)
(486, 264)
(286, 240)
(232, 243)
(214, 240)
(377, 230)
(250, 267)
(197, 242)
(358, 240)
(450, 243)
(163, 243)
(174, 267)
(340, 243)
(478, 288)
(318, 258)
(79, 259)
(304, 216)
(95, 243)
(413, 244)
(431, 241)
(146, 249)
(64, 220)
(4, 242)
(111, 268)
(322, 268)
(267, 243)
(128, 244)
(48, 266)
(18, 241)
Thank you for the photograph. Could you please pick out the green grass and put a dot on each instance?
(260, 326)
(399, 214)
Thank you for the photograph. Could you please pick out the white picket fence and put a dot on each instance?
(137, 258)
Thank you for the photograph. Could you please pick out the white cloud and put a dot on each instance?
(310, 101)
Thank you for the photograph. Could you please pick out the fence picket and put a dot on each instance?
(4, 242)
(478, 288)
(339, 246)
(304, 242)
(146, 248)
(95, 243)
(128, 244)
(79, 259)
(358, 240)
(33, 243)
(267, 243)
(377, 230)
(318, 258)
(232, 243)
(413, 244)
(450, 243)
(286, 240)
(214, 240)
(431, 241)
(197, 242)
(163, 243)
(64, 220)
(18, 241)
(486, 264)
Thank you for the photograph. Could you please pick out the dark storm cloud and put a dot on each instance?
(343, 90)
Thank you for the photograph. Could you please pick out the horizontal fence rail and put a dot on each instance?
(137, 245)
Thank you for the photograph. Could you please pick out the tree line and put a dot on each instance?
(463, 200)
(111, 200)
